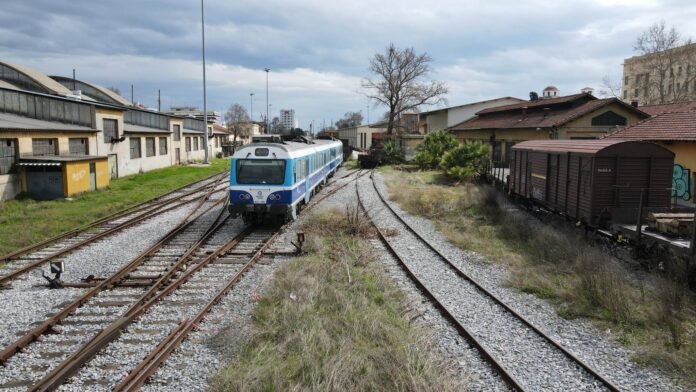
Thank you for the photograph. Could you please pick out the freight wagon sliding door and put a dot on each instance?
(633, 176)
(552, 181)
(538, 162)
(605, 190)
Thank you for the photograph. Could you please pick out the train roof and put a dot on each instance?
(291, 148)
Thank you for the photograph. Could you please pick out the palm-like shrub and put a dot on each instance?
(392, 153)
(436, 144)
(466, 161)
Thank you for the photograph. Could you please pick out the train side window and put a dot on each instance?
(294, 172)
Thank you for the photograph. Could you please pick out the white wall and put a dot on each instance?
(457, 115)
(9, 186)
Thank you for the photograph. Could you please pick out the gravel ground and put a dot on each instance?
(89, 319)
(591, 345)
(28, 300)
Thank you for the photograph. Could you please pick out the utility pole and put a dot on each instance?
(132, 97)
(205, 106)
(74, 82)
(159, 100)
(251, 109)
(267, 121)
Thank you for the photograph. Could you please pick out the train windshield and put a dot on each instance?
(261, 171)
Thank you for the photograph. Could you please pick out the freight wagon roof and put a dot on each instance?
(577, 146)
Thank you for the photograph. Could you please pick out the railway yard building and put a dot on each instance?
(60, 136)
(576, 116)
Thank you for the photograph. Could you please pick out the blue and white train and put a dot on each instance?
(270, 178)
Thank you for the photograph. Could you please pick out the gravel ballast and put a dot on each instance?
(580, 337)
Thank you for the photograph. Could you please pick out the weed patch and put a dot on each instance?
(654, 315)
(332, 321)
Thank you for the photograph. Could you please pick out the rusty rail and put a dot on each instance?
(49, 324)
(131, 222)
(155, 201)
(608, 384)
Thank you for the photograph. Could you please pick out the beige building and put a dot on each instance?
(439, 119)
(659, 78)
(362, 137)
(578, 116)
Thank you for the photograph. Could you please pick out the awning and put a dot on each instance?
(39, 164)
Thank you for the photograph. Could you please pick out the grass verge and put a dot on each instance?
(25, 221)
(331, 320)
(653, 314)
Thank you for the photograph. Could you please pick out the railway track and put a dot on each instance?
(499, 333)
(150, 269)
(151, 304)
(25, 260)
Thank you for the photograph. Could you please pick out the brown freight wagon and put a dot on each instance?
(593, 181)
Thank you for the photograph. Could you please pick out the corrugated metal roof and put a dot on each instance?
(11, 122)
(39, 164)
(59, 158)
(41, 79)
(578, 146)
(132, 128)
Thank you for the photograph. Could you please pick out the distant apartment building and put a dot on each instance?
(664, 77)
(287, 119)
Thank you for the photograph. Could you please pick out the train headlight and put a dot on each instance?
(274, 196)
(244, 196)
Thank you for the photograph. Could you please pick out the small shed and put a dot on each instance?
(593, 181)
(52, 177)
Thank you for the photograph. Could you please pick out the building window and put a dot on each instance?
(177, 132)
(188, 144)
(8, 155)
(202, 143)
(195, 144)
(78, 146)
(217, 141)
(625, 94)
(608, 119)
(625, 81)
(635, 93)
(163, 146)
(110, 130)
(135, 147)
(150, 146)
(44, 147)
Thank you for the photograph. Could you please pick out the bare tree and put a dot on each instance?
(349, 120)
(401, 83)
(115, 89)
(234, 117)
(610, 88)
(669, 66)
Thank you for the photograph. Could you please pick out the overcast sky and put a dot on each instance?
(318, 50)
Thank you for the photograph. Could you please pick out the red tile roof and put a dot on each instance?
(539, 102)
(675, 126)
(535, 119)
(654, 110)
(579, 146)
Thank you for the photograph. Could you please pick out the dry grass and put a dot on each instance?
(332, 321)
(654, 315)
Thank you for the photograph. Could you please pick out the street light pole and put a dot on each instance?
(267, 120)
(205, 103)
(251, 109)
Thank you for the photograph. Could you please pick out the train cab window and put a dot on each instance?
(261, 171)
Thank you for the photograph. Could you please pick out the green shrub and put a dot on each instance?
(392, 153)
(465, 161)
(436, 144)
